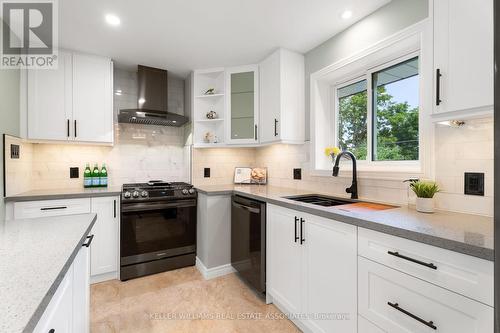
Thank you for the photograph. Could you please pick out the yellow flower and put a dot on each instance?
(330, 151)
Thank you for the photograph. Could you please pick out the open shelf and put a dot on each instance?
(209, 120)
(209, 95)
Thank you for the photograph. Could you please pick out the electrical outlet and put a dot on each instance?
(206, 172)
(297, 173)
(474, 183)
(14, 151)
(74, 172)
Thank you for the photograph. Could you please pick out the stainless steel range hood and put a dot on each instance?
(152, 101)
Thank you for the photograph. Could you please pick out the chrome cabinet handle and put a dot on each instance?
(53, 208)
(438, 86)
(302, 239)
(296, 236)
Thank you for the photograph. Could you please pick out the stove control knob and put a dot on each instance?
(127, 195)
(185, 191)
(144, 194)
(135, 194)
(192, 191)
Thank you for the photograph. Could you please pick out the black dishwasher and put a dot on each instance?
(248, 241)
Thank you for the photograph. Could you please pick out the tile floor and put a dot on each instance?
(182, 301)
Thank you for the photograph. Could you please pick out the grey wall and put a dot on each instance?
(9, 113)
(384, 22)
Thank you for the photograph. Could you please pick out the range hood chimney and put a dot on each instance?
(152, 100)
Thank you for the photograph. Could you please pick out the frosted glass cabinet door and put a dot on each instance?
(242, 101)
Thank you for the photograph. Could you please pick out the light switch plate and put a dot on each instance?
(15, 151)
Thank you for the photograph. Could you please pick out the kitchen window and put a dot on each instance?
(377, 114)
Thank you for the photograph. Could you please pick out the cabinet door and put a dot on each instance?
(81, 290)
(92, 99)
(49, 101)
(283, 259)
(330, 269)
(59, 313)
(463, 52)
(242, 84)
(104, 249)
(270, 98)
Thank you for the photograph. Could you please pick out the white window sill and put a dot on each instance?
(399, 173)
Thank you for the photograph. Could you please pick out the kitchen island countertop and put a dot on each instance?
(35, 255)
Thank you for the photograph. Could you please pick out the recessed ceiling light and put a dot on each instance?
(112, 19)
(346, 14)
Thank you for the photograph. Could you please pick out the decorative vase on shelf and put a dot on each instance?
(425, 205)
(211, 115)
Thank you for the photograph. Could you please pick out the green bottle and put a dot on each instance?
(95, 176)
(103, 176)
(87, 176)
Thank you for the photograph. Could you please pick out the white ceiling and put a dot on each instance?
(181, 35)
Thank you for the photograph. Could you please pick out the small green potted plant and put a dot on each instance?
(425, 191)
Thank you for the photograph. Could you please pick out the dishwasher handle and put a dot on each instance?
(250, 209)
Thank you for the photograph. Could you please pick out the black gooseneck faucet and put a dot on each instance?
(354, 186)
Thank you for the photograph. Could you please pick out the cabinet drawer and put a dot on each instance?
(365, 326)
(397, 302)
(34, 209)
(466, 275)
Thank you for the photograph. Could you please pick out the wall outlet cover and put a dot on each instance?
(206, 172)
(297, 173)
(14, 151)
(474, 183)
(74, 172)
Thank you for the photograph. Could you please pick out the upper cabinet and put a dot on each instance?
(282, 105)
(72, 102)
(463, 57)
(242, 85)
(250, 105)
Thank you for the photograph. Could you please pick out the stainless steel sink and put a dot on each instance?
(320, 200)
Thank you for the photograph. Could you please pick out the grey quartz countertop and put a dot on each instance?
(65, 194)
(463, 233)
(35, 254)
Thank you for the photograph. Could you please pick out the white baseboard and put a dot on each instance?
(211, 273)
(103, 277)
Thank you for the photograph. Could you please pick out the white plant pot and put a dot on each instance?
(425, 205)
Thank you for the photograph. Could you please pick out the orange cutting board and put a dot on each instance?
(364, 207)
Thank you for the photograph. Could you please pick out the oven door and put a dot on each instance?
(156, 230)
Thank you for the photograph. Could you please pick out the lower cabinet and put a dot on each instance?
(104, 251)
(397, 302)
(68, 310)
(312, 269)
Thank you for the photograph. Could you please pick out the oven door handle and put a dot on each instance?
(250, 209)
(135, 207)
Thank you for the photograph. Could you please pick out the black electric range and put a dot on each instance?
(158, 228)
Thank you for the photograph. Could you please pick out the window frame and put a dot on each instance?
(415, 38)
(368, 76)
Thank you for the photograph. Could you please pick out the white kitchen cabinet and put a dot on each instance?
(282, 101)
(463, 57)
(330, 267)
(104, 255)
(49, 101)
(81, 290)
(45, 208)
(242, 101)
(284, 258)
(311, 267)
(92, 98)
(397, 302)
(463, 274)
(58, 316)
(72, 103)
(68, 310)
